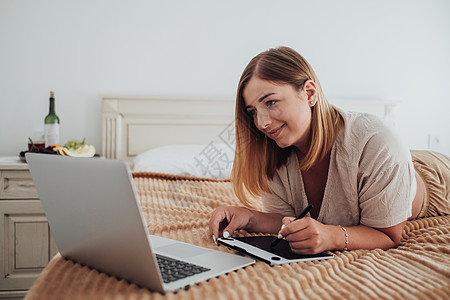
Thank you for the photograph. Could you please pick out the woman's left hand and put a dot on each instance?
(307, 235)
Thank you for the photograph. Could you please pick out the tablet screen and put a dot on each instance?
(281, 249)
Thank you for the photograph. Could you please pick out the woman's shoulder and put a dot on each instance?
(360, 121)
(360, 127)
(368, 134)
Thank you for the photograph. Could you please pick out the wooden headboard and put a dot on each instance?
(132, 125)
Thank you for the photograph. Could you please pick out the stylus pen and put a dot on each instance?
(301, 215)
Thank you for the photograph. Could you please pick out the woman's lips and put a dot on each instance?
(275, 133)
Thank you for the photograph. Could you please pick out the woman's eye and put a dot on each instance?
(251, 113)
(270, 102)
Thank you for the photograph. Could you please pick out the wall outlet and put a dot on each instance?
(434, 141)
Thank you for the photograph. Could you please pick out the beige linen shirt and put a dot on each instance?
(371, 178)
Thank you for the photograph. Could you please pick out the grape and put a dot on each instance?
(48, 150)
(74, 144)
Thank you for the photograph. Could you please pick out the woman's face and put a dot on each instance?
(281, 112)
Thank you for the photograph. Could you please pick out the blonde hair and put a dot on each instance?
(257, 157)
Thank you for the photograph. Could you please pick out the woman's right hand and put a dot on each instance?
(225, 220)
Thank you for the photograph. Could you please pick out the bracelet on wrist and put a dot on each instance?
(346, 238)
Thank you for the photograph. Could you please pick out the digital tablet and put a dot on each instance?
(259, 248)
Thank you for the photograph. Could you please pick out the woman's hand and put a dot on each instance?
(307, 235)
(225, 220)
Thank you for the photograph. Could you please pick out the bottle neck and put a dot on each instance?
(52, 106)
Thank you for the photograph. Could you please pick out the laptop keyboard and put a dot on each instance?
(173, 269)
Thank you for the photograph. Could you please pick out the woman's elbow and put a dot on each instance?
(394, 235)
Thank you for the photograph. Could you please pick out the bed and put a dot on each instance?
(177, 204)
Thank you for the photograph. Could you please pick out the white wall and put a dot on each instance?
(389, 49)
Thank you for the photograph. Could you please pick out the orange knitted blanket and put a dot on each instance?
(180, 207)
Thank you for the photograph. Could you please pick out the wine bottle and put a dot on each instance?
(51, 124)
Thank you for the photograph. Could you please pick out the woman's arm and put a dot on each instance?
(364, 237)
(308, 236)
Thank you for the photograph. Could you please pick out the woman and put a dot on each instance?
(293, 149)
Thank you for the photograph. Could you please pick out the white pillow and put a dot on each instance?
(212, 160)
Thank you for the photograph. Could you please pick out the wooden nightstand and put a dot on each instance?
(26, 244)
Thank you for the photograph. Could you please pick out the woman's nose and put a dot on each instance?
(263, 119)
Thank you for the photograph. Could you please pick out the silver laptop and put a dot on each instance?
(94, 214)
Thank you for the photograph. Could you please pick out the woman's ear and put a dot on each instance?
(310, 89)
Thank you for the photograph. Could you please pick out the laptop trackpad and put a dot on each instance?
(181, 250)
